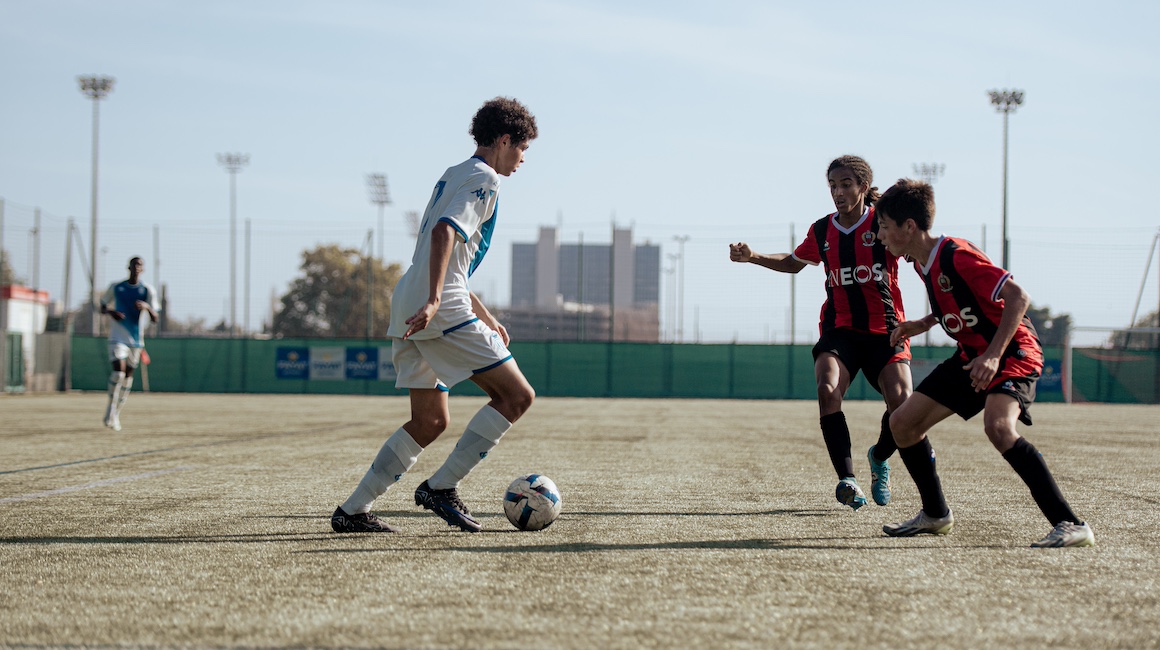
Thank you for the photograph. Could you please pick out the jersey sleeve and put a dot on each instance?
(469, 206)
(984, 278)
(152, 298)
(808, 251)
(110, 296)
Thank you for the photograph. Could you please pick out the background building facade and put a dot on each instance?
(584, 292)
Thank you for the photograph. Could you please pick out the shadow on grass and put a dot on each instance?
(420, 514)
(250, 538)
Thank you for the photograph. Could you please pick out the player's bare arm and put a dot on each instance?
(442, 239)
(784, 262)
(983, 367)
(113, 313)
(911, 328)
(488, 318)
(146, 307)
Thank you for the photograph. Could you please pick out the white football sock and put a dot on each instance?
(397, 455)
(482, 433)
(115, 379)
(126, 388)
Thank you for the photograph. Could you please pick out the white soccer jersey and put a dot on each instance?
(122, 296)
(466, 197)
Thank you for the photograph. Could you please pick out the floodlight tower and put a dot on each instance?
(233, 162)
(929, 173)
(1005, 102)
(96, 88)
(380, 196)
(681, 239)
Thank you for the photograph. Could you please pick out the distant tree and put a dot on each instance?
(1052, 329)
(329, 300)
(1137, 340)
(192, 326)
(7, 276)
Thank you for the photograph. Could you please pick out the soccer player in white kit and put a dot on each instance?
(442, 334)
(128, 303)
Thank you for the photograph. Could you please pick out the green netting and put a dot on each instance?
(573, 370)
(1117, 376)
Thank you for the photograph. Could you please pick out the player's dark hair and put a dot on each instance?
(908, 199)
(134, 259)
(862, 173)
(503, 116)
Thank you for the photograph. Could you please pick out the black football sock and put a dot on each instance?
(919, 461)
(885, 447)
(1028, 463)
(837, 437)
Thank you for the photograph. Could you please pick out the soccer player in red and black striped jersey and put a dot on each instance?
(863, 306)
(993, 370)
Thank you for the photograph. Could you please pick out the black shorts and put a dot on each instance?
(869, 353)
(950, 385)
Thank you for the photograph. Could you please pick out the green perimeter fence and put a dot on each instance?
(312, 366)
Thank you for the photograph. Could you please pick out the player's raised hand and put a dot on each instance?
(503, 333)
(982, 370)
(421, 319)
(740, 252)
(906, 330)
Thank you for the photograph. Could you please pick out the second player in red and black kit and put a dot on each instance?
(863, 305)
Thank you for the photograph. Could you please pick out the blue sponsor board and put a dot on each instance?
(362, 363)
(1051, 381)
(292, 363)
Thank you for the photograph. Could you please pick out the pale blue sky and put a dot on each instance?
(711, 120)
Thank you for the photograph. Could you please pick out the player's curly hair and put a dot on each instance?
(862, 173)
(503, 116)
(908, 199)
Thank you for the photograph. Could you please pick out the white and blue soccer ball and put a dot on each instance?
(532, 502)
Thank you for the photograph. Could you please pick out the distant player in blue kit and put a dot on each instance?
(993, 370)
(127, 303)
(442, 334)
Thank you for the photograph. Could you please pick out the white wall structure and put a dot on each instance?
(25, 311)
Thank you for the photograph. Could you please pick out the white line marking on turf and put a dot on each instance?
(89, 486)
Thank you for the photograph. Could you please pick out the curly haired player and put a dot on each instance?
(442, 334)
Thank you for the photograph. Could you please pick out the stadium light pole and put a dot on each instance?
(929, 173)
(681, 239)
(233, 162)
(380, 196)
(1005, 102)
(96, 88)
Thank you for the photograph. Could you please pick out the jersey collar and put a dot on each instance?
(859, 222)
(933, 254)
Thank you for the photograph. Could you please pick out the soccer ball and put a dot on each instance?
(532, 502)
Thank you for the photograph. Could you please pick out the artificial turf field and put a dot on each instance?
(686, 524)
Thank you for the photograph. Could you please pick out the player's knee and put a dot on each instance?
(521, 400)
(829, 395)
(1001, 432)
(430, 425)
(905, 430)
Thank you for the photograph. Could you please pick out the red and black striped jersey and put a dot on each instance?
(861, 275)
(964, 285)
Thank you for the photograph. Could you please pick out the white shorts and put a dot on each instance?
(122, 352)
(442, 362)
